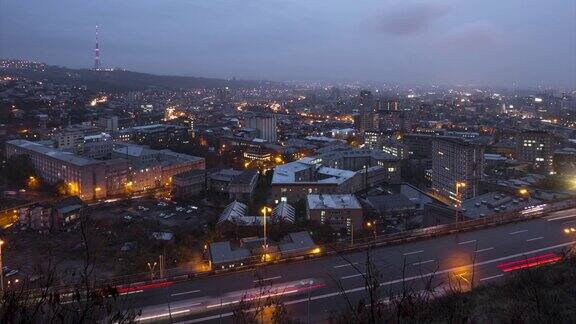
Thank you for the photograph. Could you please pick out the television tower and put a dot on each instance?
(96, 53)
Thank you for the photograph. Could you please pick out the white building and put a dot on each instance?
(266, 127)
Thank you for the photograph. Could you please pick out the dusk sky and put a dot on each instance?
(490, 42)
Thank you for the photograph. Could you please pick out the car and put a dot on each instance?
(193, 207)
(162, 215)
(162, 204)
(189, 211)
(127, 217)
(179, 208)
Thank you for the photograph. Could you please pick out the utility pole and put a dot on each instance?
(351, 233)
(1, 270)
(458, 197)
(161, 257)
(264, 211)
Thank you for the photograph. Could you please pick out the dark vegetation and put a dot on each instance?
(120, 80)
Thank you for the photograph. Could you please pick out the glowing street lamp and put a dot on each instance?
(459, 184)
(152, 267)
(264, 212)
(1, 270)
(525, 192)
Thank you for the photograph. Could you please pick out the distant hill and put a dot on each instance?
(121, 80)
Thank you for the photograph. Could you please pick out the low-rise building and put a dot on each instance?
(188, 184)
(396, 207)
(223, 255)
(233, 184)
(341, 212)
(67, 211)
(293, 181)
(132, 168)
(565, 161)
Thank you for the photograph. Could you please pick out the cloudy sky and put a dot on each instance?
(488, 42)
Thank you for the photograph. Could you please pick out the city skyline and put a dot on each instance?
(440, 42)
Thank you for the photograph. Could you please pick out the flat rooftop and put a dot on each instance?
(335, 201)
(286, 173)
(63, 156)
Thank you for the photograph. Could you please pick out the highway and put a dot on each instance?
(313, 287)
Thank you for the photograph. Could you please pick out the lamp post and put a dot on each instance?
(1, 270)
(459, 184)
(525, 192)
(152, 267)
(372, 225)
(264, 211)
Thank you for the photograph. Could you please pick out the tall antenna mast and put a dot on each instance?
(96, 53)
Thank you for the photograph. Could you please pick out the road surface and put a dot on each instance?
(311, 287)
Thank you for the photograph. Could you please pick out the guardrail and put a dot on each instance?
(177, 275)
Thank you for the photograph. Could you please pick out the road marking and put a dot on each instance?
(345, 265)
(535, 239)
(413, 252)
(467, 242)
(131, 292)
(146, 318)
(189, 305)
(479, 263)
(492, 277)
(186, 292)
(518, 232)
(423, 262)
(560, 217)
(362, 288)
(486, 249)
(267, 279)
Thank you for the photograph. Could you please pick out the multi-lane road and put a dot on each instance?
(312, 289)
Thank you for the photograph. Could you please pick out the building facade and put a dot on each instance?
(341, 212)
(456, 161)
(266, 127)
(536, 147)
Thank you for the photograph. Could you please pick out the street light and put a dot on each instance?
(1, 270)
(459, 184)
(525, 192)
(152, 267)
(372, 225)
(264, 211)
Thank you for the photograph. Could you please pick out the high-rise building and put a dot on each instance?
(366, 101)
(366, 121)
(457, 168)
(536, 147)
(266, 127)
(108, 124)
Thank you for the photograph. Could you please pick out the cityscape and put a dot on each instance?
(272, 168)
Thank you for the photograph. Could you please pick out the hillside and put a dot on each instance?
(120, 80)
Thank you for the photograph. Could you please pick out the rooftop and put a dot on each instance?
(222, 252)
(52, 152)
(324, 201)
(391, 202)
(286, 173)
(296, 242)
